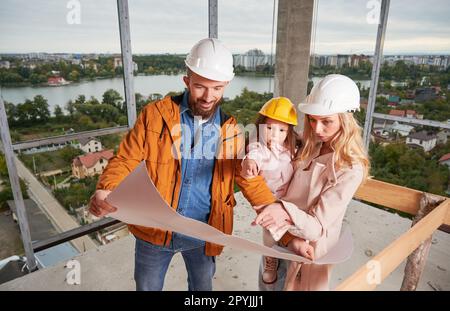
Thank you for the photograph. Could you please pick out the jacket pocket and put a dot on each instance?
(227, 214)
(158, 147)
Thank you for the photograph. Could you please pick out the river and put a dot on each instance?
(145, 85)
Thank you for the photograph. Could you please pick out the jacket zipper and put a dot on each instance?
(173, 196)
(162, 130)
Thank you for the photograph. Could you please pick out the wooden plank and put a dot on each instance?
(392, 196)
(389, 195)
(376, 270)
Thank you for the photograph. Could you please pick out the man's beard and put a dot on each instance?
(202, 113)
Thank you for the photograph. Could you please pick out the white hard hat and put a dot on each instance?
(210, 59)
(333, 94)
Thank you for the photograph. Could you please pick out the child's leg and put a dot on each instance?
(268, 239)
(269, 275)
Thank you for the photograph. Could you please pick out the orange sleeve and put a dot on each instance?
(254, 189)
(128, 157)
(287, 237)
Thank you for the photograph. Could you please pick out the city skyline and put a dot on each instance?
(172, 27)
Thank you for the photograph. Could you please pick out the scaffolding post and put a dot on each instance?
(15, 186)
(212, 19)
(127, 60)
(377, 60)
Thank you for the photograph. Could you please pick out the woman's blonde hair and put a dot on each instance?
(347, 143)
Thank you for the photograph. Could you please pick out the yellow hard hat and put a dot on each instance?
(281, 109)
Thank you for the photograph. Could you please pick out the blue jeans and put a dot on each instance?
(152, 261)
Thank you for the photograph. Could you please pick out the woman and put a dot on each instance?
(328, 170)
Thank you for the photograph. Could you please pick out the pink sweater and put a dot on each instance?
(275, 166)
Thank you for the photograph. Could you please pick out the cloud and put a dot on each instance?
(173, 26)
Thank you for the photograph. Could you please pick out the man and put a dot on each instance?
(191, 168)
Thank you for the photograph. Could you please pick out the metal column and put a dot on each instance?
(377, 60)
(212, 19)
(127, 60)
(15, 186)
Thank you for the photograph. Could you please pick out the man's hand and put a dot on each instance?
(249, 168)
(98, 205)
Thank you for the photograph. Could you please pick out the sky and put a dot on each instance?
(173, 26)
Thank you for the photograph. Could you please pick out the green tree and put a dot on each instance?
(58, 113)
(40, 105)
(113, 98)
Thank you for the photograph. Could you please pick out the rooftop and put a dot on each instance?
(422, 135)
(445, 157)
(84, 141)
(90, 159)
(373, 229)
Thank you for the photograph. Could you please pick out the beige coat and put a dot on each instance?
(316, 200)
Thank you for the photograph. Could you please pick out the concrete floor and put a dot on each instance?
(10, 238)
(111, 267)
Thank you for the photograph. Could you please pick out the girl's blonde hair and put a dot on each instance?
(291, 139)
(347, 143)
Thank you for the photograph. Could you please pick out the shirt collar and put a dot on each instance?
(185, 103)
(184, 108)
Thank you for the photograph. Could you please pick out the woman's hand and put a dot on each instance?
(273, 215)
(249, 168)
(302, 248)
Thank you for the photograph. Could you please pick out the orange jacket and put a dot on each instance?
(156, 138)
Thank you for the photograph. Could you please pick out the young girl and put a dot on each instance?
(329, 169)
(271, 156)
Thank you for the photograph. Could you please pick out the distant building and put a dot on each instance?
(380, 126)
(117, 62)
(402, 129)
(5, 64)
(76, 61)
(46, 148)
(411, 114)
(407, 102)
(252, 59)
(384, 127)
(422, 139)
(89, 145)
(442, 137)
(425, 94)
(91, 164)
(56, 81)
(399, 83)
(397, 113)
(393, 101)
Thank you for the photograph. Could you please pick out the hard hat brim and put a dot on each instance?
(295, 123)
(317, 110)
(206, 73)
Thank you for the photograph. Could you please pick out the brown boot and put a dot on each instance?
(269, 275)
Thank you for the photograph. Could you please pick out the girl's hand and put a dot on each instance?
(249, 168)
(273, 215)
